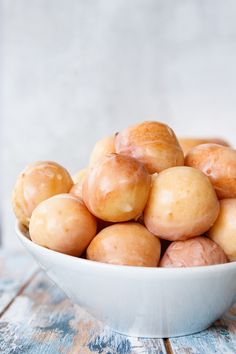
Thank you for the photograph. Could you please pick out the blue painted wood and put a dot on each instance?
(43, 320)
(40, 319)
(219, 338)
(16, 269)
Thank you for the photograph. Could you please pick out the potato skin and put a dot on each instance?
(102, 147)
(197, 251)
(36, 183)
(125, 244)
(152, 143)
(64, 224)
(76, 191)
(188, 143)
(223, 232)
(219, 164)
(116, 189)
(78, 179)
(182, 204)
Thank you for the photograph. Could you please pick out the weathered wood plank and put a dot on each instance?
(15, 271)
(43, 320)
(220, 338)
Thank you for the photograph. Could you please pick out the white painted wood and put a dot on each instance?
(16, 269)
(43, 320)
(219, 338)
(36, 317)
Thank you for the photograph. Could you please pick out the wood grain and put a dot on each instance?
(43, 320)
(16, 269)
(37, 318)
(219, 338)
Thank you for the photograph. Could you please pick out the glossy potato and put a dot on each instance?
(125, 244)
(152, 143)
(64, 224)
(197, 251)
(116, 188)
(219, 164)
(102, 147)
(223, 231)
(188, 143)
(76, 191)
(182, 204)
(78, 179)
(36, 183)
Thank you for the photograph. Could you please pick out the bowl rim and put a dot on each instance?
(24, 238)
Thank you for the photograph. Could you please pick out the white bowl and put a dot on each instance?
(139, 301)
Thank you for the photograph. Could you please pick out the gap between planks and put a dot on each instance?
(167, 345)
(21, 289)
(16, 271)
(43, 320)
(87, 334)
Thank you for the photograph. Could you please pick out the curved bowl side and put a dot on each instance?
(138, 301)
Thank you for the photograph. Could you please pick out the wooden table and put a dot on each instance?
(37, 318)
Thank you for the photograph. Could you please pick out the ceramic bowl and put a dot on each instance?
(139, 301)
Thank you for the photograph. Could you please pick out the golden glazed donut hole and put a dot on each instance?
(64, 224)
(152, 143)
(197, 251)
(182, 204)
(223, 232)
(76, 191)
(78, 179)
(125, 244)
(188, 143)
(116, 188)
(36, 183)
(219, 164)
(102, 147)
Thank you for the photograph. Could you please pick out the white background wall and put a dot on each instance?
(75, 71)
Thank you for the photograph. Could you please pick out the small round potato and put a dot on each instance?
(219, 164)
(64, 224)
(182, 204)
(125, 244)
(39, 181)
(102, 147)
(223, 231)
(78, 179)
(116, 188)
(197, 251)
(188, 143)
(76, 191)
(152, 143)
